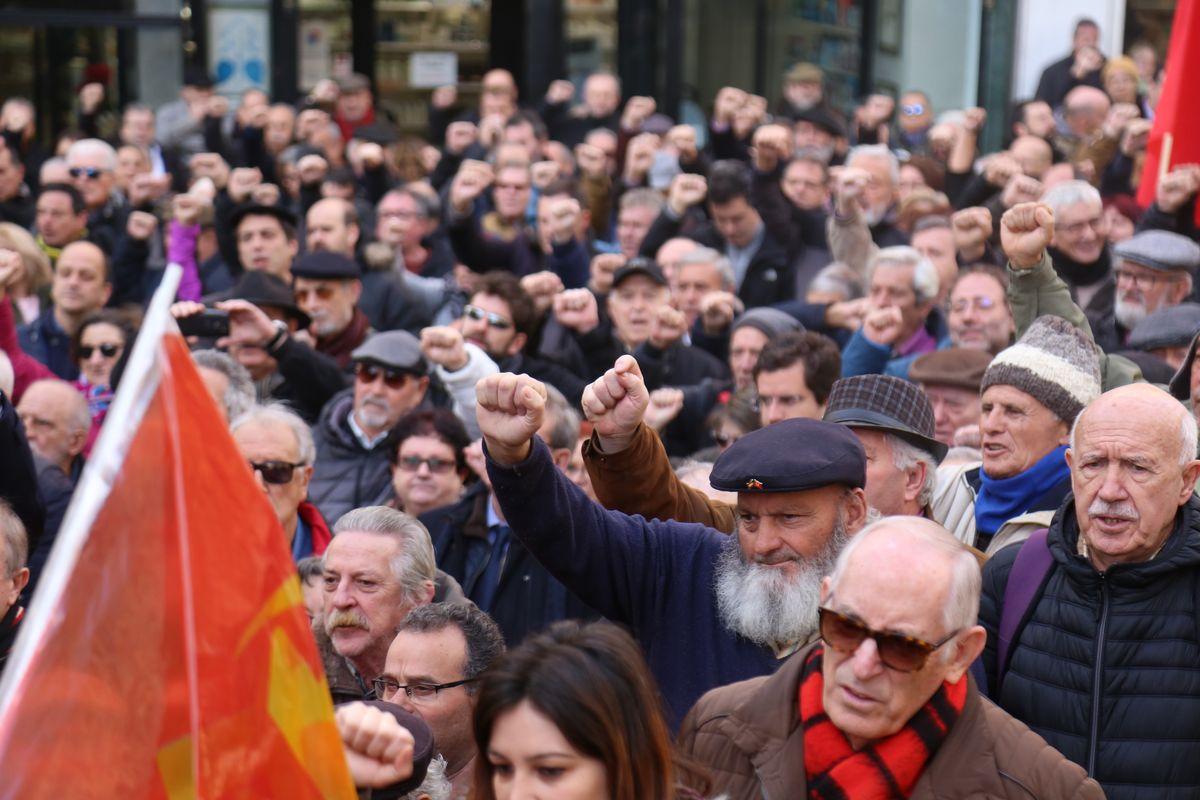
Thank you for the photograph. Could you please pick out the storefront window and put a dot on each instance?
(591, 37)
(824, 32)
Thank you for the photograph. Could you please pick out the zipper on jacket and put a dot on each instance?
(1098, 675)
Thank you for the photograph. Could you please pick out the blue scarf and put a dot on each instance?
(1001, 499)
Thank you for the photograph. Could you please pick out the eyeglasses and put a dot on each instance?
(439, 466)
(1097, 224)
(1143, 280)
(276, 473)
(322, 291)
(493, 319)
(106, 350)
(386, 688)
(916, 109)
(92, 173)
(392, 378)
(981, 304)
(901, 653)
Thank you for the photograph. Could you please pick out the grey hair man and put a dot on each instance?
(902, 287)
(700, 273)
(1079, 246)
(227, 381)
(379, 566)
(432, 665)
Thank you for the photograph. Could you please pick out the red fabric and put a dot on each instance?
(26, 368)
(1177, 113)
(317, 526)
(884, 770)
(348, 127)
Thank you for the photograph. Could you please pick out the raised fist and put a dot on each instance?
(509, 410)
(1025, 232)
(665, 405)
(1087, 59)
(564, 219)
(668, 327)
(472, 179)
(1179, 186)
(141, 225)
(543, 173)
(576, 309)
(1119, 116)
(973, 119)
(312, 169)
(718, 310)
(210, 165)
(639, 157)
(751, 114)
(444, 346)
(1021, 189)
(729, 100)
(591, 160)
(615, 403)
(771, 145)
(12, 269)
(444, 97)
(686, 191)
(637, 111)
(542, 287)
(242, 182)
(1000, 168)
(560, 92)
(460, 136)
(883, 326)
(217, 106)
(972, 228)
(602, 269)
(370, 155)
(378, 749)
(265, 194)
(187, 209)
(683, 139)
(848, 189)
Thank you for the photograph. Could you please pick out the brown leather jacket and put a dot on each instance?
(639, 480)
(748, 734)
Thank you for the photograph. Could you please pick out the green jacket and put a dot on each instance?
(1033, 293)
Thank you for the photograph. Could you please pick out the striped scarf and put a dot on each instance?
(888, 768)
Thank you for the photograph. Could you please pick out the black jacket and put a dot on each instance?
(346, 475)
(1057, 80)
(1107, 667)
(527, 598)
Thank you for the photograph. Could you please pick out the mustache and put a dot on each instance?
(345, 619)
(1118, 510)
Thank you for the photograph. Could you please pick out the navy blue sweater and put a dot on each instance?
(654, 577)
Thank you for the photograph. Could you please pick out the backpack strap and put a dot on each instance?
(1025, 582)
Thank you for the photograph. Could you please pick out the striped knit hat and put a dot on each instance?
(1054, 362)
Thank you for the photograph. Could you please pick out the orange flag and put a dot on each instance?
(167, 653)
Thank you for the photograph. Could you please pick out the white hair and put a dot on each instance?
(98, 147)
(239, 395)
(906, 456)
(966, 579)
(879, 151)
(436, 785)
(1069, 193)
(925, 282)
(1189, 433)
(706, 255)
(414, 564)
(280, 414)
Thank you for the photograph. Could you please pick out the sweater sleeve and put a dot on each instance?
(619, 565)
(181, 250)
(639, 480)
(461, 385)
(864, 357)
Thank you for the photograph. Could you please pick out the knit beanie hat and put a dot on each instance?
(771, 321)
(1054, 362)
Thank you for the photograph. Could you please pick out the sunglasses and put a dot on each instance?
(392, 378)
(92, 173)
(901, 653)
(493, 319)
(439, 466)
(106, 350)
(276, 473)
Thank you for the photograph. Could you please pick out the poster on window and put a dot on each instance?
(241, 49)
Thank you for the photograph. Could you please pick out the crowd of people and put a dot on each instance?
(805, 453)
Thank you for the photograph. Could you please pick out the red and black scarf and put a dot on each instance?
(885, 770)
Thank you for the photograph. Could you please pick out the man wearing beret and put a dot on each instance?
(707, 608)
(1154, 271)
(327, 287)
(950, 379)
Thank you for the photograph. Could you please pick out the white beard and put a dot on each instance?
(1128, 314)
(764, 605)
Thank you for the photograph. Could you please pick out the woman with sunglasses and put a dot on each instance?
(573, 713)
(98, 345)
(429, 469)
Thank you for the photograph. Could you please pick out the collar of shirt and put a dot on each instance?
(366, 441)
(740, 257)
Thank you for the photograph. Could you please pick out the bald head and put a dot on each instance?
(56, 419)
(1085, 108)
(1033, 153)
(332, 226)
(1145, 407)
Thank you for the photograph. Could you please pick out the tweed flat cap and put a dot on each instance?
(395, 349)
(1167, 327)
(962, 367)
(791, 456)
(888, 404)
(1161, 250)
(1054, 363)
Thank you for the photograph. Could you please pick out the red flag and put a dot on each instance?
(167, 653)
(1175, 137)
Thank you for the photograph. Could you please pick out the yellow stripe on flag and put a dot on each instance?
(286, 596)
(175, 768)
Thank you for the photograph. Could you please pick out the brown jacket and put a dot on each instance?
(639, 480)
(749, 735)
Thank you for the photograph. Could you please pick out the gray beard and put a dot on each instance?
(765, 606)
(1128, 314)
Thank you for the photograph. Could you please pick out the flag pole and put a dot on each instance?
(1164, 159)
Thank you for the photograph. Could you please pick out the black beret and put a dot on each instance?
(323, 265)
(792, 456)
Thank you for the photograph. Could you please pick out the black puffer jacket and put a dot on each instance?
(346, 475)
(1107, 667)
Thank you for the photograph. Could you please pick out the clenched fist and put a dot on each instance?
(615, 403)
(972, 228)
(686, 191)
(577, 309)
(883, 326)
(665, 405)
(472, 179)
(141, 225)
(509, 409)
(668, 328)
(1025, 233)
(1179, 186)
(542, 287)
(379, 750)
(444, 346)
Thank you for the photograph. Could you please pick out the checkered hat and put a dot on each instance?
(885, 403)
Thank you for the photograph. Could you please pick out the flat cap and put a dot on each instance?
(640, 266)
(396, 349)
(791, 456)
(771, 321)
(888, 404)
(962, 367)
(805, 72)
(1161, 250)
(820, 117)
(323, 265)
(1168, 327)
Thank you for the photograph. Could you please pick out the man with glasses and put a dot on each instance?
(979, 317)
(328, 287)
(437, 656)
(278, 446)
(882, 705)
(1078, 247)
(92, 164)
(391, 378)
